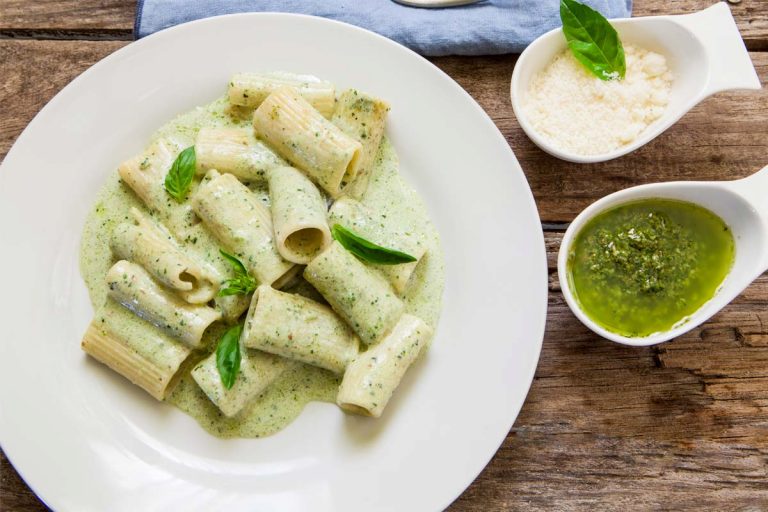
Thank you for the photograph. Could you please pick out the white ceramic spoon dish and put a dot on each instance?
(741, 204)
(704, 51)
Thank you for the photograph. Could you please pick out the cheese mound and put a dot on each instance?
(574, 110)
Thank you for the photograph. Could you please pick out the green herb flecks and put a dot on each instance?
(366, 250)
(179, 177)
(593, 41)
(228, 356)
(242, 283)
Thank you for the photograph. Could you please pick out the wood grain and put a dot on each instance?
(47, 18)
(683, 426)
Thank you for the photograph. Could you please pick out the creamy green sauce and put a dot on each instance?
(284, 399)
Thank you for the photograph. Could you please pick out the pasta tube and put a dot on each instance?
(362, 117)
(145, 175)
(147, 244)
(231, 306)
(312, 143)
(242, 224)
(257, 371)
(358, 294)
(298, 328)
(371, 379)
(378, 228)
(146, 357)
(251, 89)
(298, 214)
(234, 151)
(204, 247)
(131, 286)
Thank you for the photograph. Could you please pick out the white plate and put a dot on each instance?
(86, 440)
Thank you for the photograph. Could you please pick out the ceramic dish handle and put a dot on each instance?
(730, 66)
(754, 190)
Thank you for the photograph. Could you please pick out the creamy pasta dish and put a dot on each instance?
(260, 253)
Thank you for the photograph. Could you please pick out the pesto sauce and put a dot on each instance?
(284, 400)
(644, 266)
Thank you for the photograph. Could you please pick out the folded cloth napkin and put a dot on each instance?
(487, 27)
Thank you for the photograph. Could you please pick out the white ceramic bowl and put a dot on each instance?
(704, 51)
(743, 207)
(85, 439)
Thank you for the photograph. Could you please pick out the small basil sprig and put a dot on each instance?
(228, 355)
(179, 178)
(368, 251)
(593, 41)
(242, 283)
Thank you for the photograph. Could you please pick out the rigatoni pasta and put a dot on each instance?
(306, 139)
(251, 89)
(147, 244)
(298, 215)
(144, 355)
(133, 287)
(202, 245)
(235, 151)
(362, 117)
(242, 224)
(257, 371)
(371, 379)
(358, 294)
(381, 230)
(298, 328)
(224, 285)
(145, 175)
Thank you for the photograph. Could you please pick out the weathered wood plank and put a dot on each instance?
(49, 17)
(586, 471)
(67, 15)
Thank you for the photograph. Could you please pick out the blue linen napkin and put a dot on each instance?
(485, 28)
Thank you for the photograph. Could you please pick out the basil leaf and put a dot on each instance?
(179, 178)
(366, 250)
(237, 265)
(228, 356)
(237, 287)
(242, 283)
(593, 41)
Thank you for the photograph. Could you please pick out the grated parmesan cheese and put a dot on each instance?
(574, 110)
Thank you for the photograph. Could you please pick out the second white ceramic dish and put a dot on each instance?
(740, 203)
(86, 440)
(704, 51)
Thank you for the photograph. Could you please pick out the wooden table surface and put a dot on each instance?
(680, 426)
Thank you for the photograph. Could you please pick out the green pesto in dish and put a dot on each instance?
(283, 400)
(644, 266)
